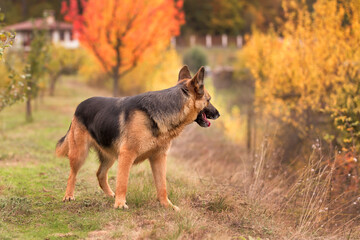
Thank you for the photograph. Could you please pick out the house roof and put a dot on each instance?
(39, 24)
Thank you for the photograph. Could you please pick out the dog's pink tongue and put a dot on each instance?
(205, 119)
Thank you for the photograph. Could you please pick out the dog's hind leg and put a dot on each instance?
(78, 150)
(102, 173)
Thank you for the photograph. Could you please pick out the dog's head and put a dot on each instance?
(194, 86)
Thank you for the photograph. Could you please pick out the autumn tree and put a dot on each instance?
(121, 33)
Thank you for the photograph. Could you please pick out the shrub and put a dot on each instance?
(195, 57)
(311, 73)
(62, 62)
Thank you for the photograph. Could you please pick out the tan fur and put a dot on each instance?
(62, 149)
(78, 142)
(136, 144)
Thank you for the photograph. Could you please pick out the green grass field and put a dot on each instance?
(33, 181)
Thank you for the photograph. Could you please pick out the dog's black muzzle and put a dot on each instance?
(210, 112)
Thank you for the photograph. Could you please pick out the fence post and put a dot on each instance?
(55, 36)
(239, 41)
(192, 40)
(208, 41)
(67, 37)
(224, 40)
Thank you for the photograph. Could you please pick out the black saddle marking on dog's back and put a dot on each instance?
(100, 115)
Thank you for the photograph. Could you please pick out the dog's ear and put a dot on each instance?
(197, 82)
(184, 73)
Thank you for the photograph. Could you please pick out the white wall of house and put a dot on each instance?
(67, 42)
(55, 36)
(19, 39)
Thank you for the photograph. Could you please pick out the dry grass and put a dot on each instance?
(319, 213)
(295, 204)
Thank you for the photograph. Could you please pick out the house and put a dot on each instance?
(60, 32)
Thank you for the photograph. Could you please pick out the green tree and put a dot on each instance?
(197, 16)
(35, 67)
(214, 16)
(227, 17)
(21, 10)
(62, 62)
(232, 16)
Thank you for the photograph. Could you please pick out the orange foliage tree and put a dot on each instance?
(120, 33)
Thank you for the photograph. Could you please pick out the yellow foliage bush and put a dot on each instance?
(158, 71)
(4, 76)
(309, 71)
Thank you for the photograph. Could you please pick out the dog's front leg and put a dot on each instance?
(158, 166)
(125, 161)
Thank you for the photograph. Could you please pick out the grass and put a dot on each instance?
(33, 181)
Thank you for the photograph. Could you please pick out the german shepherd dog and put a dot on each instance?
(132, 129)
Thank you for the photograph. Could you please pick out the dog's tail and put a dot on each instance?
(62, 146)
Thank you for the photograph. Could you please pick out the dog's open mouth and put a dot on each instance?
(205, 119)
(202, 120)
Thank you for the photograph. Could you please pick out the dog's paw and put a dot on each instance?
(121, 206)
(110, 194)
(176, 208)
(167, 203)
(68, 198)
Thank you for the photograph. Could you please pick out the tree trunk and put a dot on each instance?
(24, 9)
(29, 90)
(52, 85)
(28, 109)
(116, 78)
(250, 115)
